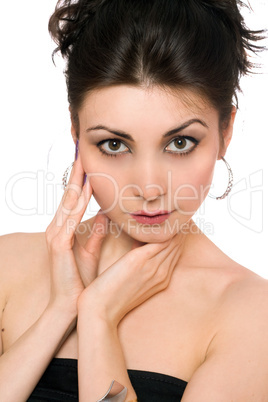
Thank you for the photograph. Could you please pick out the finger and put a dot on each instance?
(163, 254)
(77, 173)
(98, 233)
(173, 262)
(71, 196)
(72, 220)
(161, 276)
(169, 267)
(170, 261)
(64, 230)
(74, 187)
(157, 266)
(147, 251)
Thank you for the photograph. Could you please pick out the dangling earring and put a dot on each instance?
(230, 182)
(65, 174)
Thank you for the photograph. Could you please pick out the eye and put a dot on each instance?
(182, 145)
(112, 147)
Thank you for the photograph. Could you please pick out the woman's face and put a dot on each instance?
(150, 156)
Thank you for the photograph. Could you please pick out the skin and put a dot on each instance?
(150, 173)
(121, 288)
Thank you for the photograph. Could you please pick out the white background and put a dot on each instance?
(36, 140)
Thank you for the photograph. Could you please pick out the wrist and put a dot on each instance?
(94, 311)
(59, 309)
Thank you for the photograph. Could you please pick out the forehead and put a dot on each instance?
(129, 106)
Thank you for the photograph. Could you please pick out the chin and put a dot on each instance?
(157, 233)
(151, 238)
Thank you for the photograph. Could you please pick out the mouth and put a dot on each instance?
(151, 218)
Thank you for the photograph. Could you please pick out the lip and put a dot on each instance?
(153, 213)
(151, 218)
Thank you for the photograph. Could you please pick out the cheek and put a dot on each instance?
(107, 186)
(105, 190)
(107, 178)
(104, 181)
(189, 195)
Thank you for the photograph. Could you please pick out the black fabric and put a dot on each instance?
(156, 387)
(60, 383)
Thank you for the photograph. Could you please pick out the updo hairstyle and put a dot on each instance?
(201, 45)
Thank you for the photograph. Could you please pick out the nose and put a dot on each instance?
(150, 192)
(149, 181)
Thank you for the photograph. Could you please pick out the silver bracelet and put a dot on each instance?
(119, 397)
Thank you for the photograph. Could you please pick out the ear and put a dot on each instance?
(74, 127)
(227, 134)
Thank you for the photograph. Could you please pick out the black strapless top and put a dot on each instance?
(60, 383)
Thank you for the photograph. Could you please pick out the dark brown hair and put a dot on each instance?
(193, 44)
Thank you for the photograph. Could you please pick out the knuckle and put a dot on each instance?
(161, 276)
(71, 197)
(139, 257)
(73, 190)
(165, 283)
(69, 202)
(149, 273)
(99, 232)
(133, 258)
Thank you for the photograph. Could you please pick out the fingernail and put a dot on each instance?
(85, 179)
(76, 149)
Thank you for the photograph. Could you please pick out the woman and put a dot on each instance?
(137, 303)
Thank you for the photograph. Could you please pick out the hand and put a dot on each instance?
(68, 276)
(87, 255)
(134, 278)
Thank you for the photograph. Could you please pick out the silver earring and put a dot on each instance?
(65, 176)
(230, 182)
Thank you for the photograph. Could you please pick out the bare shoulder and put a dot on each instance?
(236, 361)
(15, 244)
(244, 301)
(220, 276)
(22, 256)
(19, 255)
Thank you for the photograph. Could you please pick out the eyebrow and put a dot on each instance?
(127, 136)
